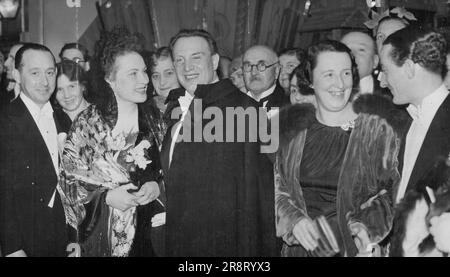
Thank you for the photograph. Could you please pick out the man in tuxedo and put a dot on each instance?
(220, 195)
(413, 63)
(32, 221)
(261, 69)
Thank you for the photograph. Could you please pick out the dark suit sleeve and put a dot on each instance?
(10, 231)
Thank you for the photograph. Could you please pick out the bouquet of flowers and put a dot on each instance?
(94, 161)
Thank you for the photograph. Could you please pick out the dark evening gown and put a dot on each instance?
(320, 167)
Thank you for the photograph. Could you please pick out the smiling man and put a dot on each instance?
(32, 221)
(220, 195)
(413, 62)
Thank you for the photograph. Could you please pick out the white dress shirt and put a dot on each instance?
(366, 85)
(422, 117)
(46, 124)
(185, 102)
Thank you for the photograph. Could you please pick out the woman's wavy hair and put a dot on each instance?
(111, 45)
(305, 72)
(73, 72)
(159, 54)
(423, 46)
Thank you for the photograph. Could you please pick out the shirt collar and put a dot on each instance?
(430, 104)
(185, 101)
(34, 109)
(264, 94)
(366, 84)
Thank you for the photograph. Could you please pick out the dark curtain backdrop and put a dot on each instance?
(237, 24)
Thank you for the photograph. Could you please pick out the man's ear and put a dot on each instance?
(16, 76)
(376, 61)
(215, 60)
(409, 68)
(87, 66)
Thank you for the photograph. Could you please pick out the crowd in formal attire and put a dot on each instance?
(113, 154)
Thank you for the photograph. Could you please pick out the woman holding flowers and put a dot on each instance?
(112, 173)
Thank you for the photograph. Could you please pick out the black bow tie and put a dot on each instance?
(174, 95)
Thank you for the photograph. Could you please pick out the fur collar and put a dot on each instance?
(298, 117)
(382, 106)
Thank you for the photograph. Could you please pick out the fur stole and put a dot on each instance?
(298, 117)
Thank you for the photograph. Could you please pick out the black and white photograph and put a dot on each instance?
(226, 129)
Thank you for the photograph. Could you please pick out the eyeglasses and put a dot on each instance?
(261, 66)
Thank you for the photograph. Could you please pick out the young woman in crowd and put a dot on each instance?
(115, 222)
(337, 161)
(71, 92)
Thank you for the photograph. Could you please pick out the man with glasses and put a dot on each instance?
(261, 69)
(220, 194)
(76, 53)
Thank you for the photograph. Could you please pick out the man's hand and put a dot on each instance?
(148, 192)
(18, 254)
(120, 199)
(305, 232)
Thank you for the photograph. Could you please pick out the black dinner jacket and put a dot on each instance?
(277, 98)
(435, 144)
(27, 182)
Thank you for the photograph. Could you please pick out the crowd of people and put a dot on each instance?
(111, 154)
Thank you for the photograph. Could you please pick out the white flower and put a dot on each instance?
(117, 143)
(137, 155)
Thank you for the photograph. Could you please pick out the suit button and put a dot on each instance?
(41, 200)
(28, 167)
(32, 183)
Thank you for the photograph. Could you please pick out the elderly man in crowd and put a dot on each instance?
(261, 69)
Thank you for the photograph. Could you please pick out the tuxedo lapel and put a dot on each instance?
(29, 131)
(172, 103)
(401, 154)
(276, 99)
(436, 143)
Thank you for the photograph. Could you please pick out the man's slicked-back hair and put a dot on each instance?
(186, 33)
(423, 46)
(30, 46)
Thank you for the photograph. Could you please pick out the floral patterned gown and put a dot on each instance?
(102, 230)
